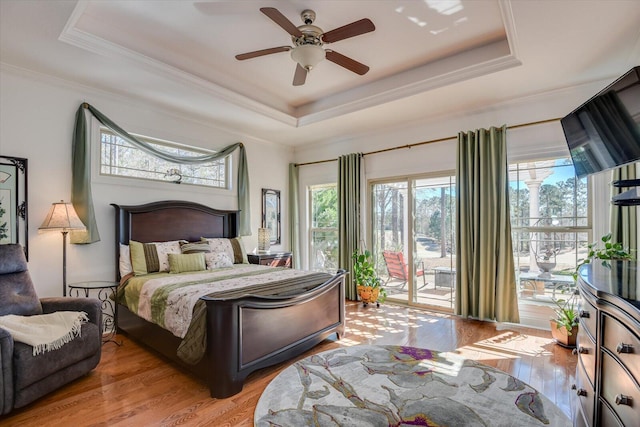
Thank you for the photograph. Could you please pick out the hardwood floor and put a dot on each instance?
(134, 387)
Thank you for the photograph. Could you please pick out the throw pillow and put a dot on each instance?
(125, 260)
(217, 260)
(181, 263)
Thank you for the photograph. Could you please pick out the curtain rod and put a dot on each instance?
(431, 141)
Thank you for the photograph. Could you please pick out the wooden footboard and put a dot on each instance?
(254, 332)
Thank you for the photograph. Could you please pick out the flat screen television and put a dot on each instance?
(604, 132)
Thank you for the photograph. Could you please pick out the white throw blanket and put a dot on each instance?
(45, 332)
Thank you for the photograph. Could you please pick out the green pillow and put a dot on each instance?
(195, 247)
(180, 263)
(144, 258)
(239, 253)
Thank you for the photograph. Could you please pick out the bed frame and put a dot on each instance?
(244, 334)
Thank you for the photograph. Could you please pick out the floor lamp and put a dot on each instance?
(62, 217)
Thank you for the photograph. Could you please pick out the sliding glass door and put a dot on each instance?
(413, 241)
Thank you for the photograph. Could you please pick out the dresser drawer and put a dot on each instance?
(619, 340)
(617, 385)
(586, 349)
(607, 417)
(588, 316)
(583, 395)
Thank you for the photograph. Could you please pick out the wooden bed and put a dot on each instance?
(244, 334)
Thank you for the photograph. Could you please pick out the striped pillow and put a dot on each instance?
(144, 258)
(152, 257)
(195, 247)
(181, 263)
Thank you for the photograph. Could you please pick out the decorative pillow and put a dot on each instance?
(180, 263)
(239, 253)
(166, 248)
(152, 257)
(217, 260)
(234, 248)
(125, 260)
(195, 247)
(220, 245)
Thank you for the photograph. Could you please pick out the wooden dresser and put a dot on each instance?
(607, 388)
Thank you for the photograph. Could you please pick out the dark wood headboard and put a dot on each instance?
(171, 220)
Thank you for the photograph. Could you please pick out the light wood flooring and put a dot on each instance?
(134, 387)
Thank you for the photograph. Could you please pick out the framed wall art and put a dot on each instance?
(271, 214)
(13, 202)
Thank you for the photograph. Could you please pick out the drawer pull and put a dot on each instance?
(621, 399)
(579, 391)
(580, 350)
(624, 348)
(584, 314)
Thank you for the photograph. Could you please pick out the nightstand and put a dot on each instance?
(103, 291)
(272, 259)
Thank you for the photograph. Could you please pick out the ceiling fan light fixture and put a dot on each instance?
(308, 55)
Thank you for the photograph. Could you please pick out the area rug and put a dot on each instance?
(368, 385)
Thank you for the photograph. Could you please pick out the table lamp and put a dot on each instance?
(264, 240)
(62, 217)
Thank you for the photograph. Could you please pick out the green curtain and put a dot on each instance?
(349, 181)
(485, 273)
(81, 173)
(294, 215)
(624, 219)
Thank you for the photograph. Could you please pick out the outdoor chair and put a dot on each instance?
(397, 269)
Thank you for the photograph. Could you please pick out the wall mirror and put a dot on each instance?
(271, 214)
(13, 202)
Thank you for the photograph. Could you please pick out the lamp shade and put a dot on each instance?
(307, 55)
(61, 217)
(264, 239)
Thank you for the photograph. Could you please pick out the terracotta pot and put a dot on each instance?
(560, 335)
(368, 294)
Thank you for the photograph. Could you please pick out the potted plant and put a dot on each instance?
(368, 283)
(564, 327)
(609, 252)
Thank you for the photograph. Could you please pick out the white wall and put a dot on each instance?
(36, 122)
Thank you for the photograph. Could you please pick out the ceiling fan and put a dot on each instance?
(308, 40)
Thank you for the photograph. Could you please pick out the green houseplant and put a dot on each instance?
(608, 252)
(564, 326)
(369, 285)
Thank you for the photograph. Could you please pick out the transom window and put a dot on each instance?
(120, 158)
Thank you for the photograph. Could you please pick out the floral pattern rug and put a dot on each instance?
(367, 385)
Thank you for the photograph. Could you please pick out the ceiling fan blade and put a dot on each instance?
(262, 52)
(281, 20)
(300, 76)
(346, 62)
(350, 30)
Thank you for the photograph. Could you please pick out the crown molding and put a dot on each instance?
(74, 36)
(476, 62)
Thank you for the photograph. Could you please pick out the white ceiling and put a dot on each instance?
(427, 58)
